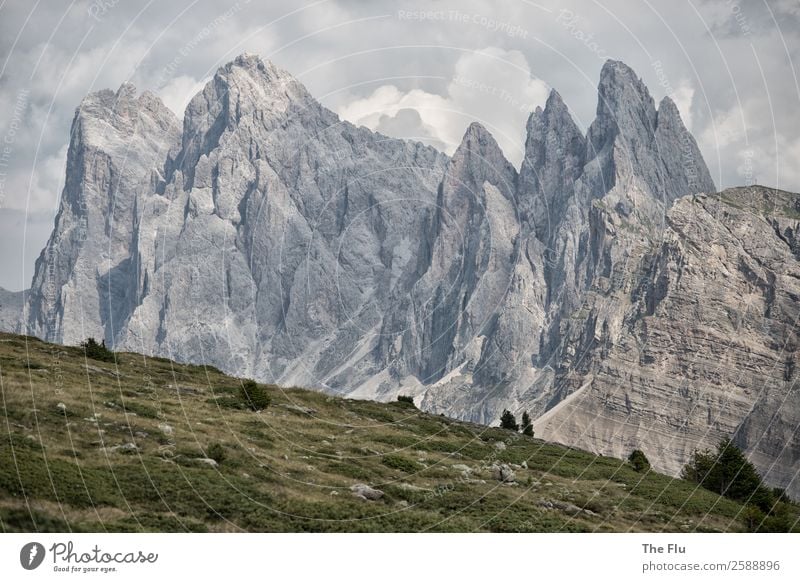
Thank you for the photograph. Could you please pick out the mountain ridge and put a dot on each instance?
(274, 240)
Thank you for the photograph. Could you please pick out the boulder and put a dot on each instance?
(364, 491)
(503, 473)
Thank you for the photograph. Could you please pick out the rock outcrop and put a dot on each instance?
(81, 282)
(11, 310)
(280, 235)
(604, 287)
(698, 343)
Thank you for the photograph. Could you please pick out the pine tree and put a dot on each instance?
(639, 461)
(699, 467)
(406, 399)
(735, 476)
(527, 425)
(509, 421)
(728, 472)
(98, 351)
(254, 396)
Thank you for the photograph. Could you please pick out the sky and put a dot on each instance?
(422, 70)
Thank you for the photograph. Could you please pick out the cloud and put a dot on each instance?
(21, 234)
(683, 96)
(177, 93)
(492, 86)
(388, 108)
(729, 129)
(409, 77)
(407, 124)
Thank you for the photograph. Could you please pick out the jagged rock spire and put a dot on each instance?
(684, 169)
(81, 282)
(286, 245)
(555, 152)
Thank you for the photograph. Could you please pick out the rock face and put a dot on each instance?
(11, 310)
(604, 287)
(698, 343)
(81, 282)
(280, 236)
(365, 492)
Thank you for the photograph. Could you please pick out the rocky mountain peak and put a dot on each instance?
(479, 159)
(246, 96)
(118, 142)
(667, 110)
(555, 102)
(624, 107)
(639, 165)
(618, 83)
(555, 110)
(104, 116)
(257, 82)
(555, 151)
(255, 63)
(682, 165)
(127, 90)
(477, 138)
(283, 245)
(668, 118)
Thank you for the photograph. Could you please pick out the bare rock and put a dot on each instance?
(206, 461)
(605, 288)
(503, 473)
(366, 492)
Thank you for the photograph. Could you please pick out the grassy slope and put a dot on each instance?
(287, 469)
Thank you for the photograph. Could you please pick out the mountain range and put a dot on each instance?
(605, 286)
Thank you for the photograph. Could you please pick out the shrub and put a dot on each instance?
(527, 425)
(254, 396)
(232, 402)
(639, 461)
(400, 463)
(217, 452)
(97, 351)
(406, 399)
(699, 466)
(133, 407)
(509, 421)
(752, 518)
(780, 495)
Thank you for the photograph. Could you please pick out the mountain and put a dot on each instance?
(273, 240)
(699, 340)
(82, 278)
(163, 446)
(11, 309)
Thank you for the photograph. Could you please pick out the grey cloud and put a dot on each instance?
(408, 124)
(744, 108)
(745, 18)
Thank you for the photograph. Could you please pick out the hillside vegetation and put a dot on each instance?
(144, 444)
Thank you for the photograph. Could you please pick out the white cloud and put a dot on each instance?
(49, 181)
(177, 93)
(728, 128)
(493, 86)
(683, 96)
(706, 50)
(407, 124)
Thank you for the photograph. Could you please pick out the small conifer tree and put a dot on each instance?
(509, 421)
(254, 396)
(527, 425)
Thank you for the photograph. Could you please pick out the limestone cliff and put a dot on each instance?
(605, 286)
